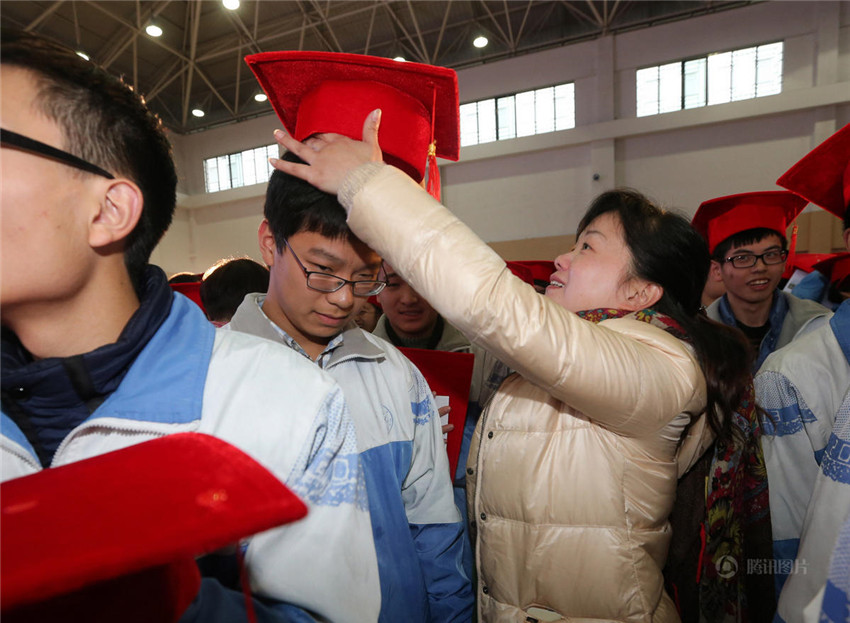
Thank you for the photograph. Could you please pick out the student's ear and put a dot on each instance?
(117, 215)
(847, 238)
(643, 294)
(268, 247)
(715, 271)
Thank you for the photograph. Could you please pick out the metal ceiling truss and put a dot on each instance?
(199, 60)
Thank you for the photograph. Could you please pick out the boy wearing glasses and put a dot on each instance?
(746, 238)
(321, 276)
(98, 354)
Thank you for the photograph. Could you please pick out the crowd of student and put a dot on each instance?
(605, 411)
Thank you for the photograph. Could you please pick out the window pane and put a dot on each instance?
(743, 74)
(249, 167)
(272, 151)
(565, 106)
(236, 170)
(670, 89)
(544, 110)
(211, 175)
(719, 78)
(486, 121)
(223, 164)
(525, 113)
(769, 69)
(647, 91)
(506, 114)
(469, 124)
(695, 83)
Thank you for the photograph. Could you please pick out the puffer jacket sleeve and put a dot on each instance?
(624, 374)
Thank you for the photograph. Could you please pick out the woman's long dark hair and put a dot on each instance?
(667, 251)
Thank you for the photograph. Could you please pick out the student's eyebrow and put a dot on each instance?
(323, 254)
(741, 250)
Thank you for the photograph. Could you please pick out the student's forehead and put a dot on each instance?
(771, 240)
(339, 249)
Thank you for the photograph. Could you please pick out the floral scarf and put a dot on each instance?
(720, 563)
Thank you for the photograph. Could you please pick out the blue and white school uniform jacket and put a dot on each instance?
(271, 404)
(416, 525)
(805, 389)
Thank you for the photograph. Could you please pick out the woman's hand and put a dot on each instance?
(330, 157)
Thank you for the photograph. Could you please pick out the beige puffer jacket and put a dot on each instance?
(575, 463)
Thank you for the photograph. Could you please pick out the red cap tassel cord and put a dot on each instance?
(433, 170)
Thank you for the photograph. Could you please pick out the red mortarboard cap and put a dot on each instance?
(717, 219)
(315, 92)
(823, 175)
(835, 268)
(70, 527)
(807, 261)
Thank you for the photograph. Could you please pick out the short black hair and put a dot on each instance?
(743, 238)
(227, 282)
(106, 122)
(293, 205)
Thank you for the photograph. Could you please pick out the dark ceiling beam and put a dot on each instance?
(43, 16)
(280, 29)
(371, 28)
(323, 17)
(505, 37)
(442, 32)
(194, 13)
(122, 38)
(521, 29)
(169, 75)
(425, 56)
(419, 53)
(599, 21)
(570, 6)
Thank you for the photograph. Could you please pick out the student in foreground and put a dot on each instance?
(321, 275)
(576, 460)
(804, 389)
(98, 354)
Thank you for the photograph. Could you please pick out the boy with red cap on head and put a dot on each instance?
(804, 390)
(746, 239)
(322, 275)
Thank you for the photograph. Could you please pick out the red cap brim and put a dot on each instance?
(835, 268)
(69, 527)
(823, 175)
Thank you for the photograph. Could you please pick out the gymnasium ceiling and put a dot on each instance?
(197, 62)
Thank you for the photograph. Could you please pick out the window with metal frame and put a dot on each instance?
(547, 109)
(243, 168)
(716, 78)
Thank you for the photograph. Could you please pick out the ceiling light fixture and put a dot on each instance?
(82, 54)
(197, 112)
(260, 97)
(153, 30)
(480, 42)
(400, 59)
(231, 5)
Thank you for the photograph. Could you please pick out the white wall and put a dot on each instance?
(539, 186)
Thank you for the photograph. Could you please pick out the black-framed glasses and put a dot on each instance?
(13, 139)
(324, 282)
(749, 260)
